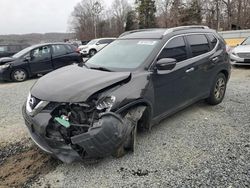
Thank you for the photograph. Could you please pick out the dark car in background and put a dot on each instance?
(7, 50)
(85, 42)
(136, 81)
(38, 60)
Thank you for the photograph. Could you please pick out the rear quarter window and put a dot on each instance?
(212, 40)
(71, 48)
(199, 44)
(59, 50)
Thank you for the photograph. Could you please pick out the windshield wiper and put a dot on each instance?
(101, 68)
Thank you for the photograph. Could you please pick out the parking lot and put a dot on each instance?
(199, 146)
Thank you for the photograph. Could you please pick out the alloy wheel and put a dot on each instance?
(219, 89)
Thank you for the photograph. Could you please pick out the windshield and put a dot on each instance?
(123, 54)
(22, 52)
(92, 42)
(246, 42)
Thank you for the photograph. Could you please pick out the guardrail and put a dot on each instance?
(233, 38)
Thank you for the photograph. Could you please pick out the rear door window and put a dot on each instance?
(176, 49)
(199, 44)
(59, 50)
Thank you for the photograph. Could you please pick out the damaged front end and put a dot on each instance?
(73, 131)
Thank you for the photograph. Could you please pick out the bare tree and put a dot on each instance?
(84, 19)
(163, 11)
(229, 4)
(217, 14)
(120, 11)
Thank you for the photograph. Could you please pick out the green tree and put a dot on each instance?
(192, 14)
(131, 21)
(146, 10)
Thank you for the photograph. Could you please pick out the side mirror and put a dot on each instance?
(166, 64)
(27, 58)
(97, 43)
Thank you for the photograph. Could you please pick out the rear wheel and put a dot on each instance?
(218, 90)
(19, 75)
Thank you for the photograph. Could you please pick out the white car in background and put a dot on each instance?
(240, 55)
(95, 45)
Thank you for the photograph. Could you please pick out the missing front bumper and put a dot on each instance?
(101, 140)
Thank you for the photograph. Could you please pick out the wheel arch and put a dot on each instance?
(225, 72)
(136, 103)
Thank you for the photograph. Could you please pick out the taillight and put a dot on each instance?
(78, 50)
(228, 49)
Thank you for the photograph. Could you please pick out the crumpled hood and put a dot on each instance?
(74, 84)
(6, 60)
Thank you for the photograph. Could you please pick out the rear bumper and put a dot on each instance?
(101, 140)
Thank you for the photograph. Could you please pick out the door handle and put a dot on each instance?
(190, 70)
(215, 59)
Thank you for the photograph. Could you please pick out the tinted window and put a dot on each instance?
(70, 48)
(212, 40)
(59, 50)
(199, 44)
(40, 53)
(106, 41)
(15, 48)
(3, 48)
(176, 49)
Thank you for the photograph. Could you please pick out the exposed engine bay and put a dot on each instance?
(90, 130)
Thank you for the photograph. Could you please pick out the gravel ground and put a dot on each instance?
(12, 97)
(200, 146)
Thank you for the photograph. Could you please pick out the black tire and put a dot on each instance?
(132, 140)
(218, 90)
(92, 52)
(19, 75)
(129, 145)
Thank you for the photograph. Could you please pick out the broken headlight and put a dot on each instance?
(4, 66)
(106, 103)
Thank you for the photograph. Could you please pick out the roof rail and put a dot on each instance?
(185, 27)
(135, 31)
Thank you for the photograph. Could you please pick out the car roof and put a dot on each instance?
(159, 33)
(44, 44)
(104, 38)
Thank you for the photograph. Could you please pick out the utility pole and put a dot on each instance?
(218, 4)
(97, 8)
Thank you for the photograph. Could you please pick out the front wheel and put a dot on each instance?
(19, 75)
(92, 52)
(129, 144)
(218, 90)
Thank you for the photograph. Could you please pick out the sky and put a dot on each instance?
(36, 16)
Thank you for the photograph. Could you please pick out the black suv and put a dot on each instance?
(7, 50)
(38, 59)
(144, 76)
